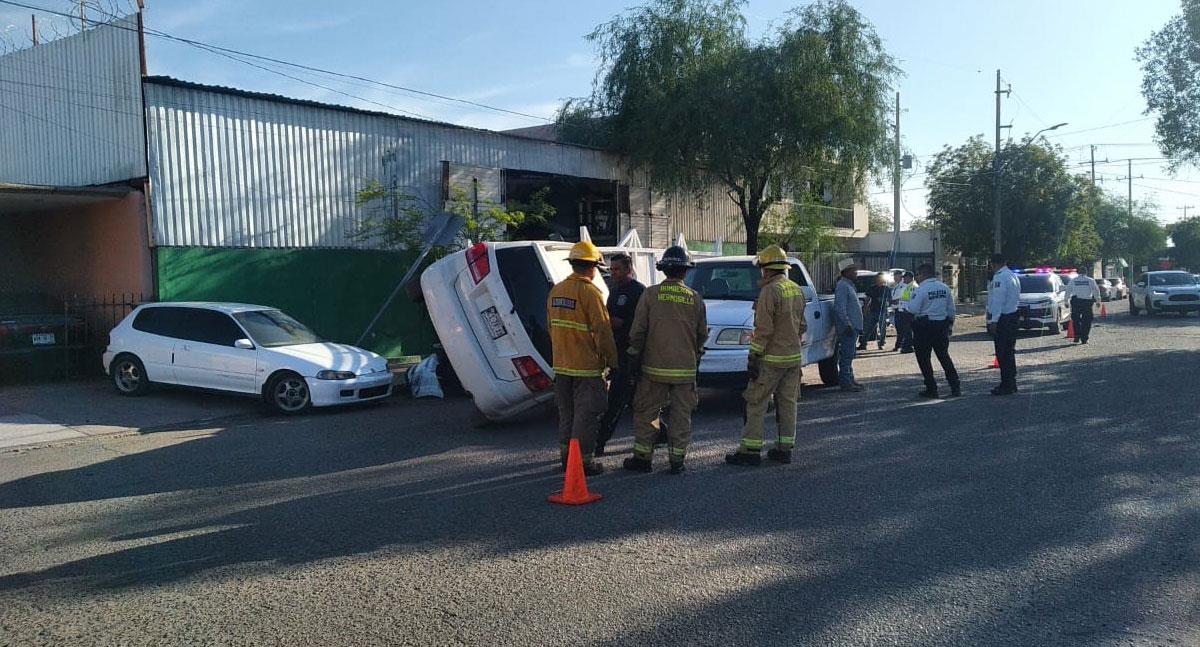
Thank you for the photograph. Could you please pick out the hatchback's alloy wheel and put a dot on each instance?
(291, 394)
(128, 376)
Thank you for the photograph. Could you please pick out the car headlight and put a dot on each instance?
(335, 375)
(734, 336)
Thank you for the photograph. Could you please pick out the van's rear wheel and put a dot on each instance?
(1133, 309)
(828, 368)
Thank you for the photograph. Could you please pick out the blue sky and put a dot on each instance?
(1067, 60)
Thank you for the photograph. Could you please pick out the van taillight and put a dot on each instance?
(478, 261)
(532, 374)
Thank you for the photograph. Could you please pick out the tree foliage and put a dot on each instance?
(803, 229)
(690, 99)
(878, 219)
(1135, 236)
(1170, 61)
(394, 218)
(1185, 234)
(1045, 212)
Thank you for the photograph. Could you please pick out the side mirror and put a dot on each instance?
(1140, 284)
(244, 344)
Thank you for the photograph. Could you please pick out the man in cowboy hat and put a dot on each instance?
(848, 318)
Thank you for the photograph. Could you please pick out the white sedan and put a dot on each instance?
(240, 348)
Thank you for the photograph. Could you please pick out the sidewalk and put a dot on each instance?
(48, 413)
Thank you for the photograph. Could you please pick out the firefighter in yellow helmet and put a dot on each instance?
(665, 344)
(774, 361)
(582, 346)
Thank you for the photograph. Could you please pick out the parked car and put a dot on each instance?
(1120, 289)
(1043, 302)
(1164, 291)
(35, 332)
(240, 348)
(1106, 289)
(729, 285)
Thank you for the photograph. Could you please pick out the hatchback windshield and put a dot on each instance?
(1034, 284)
(271, 328)
(1173, 278)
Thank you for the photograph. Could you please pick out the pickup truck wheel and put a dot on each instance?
(1133, 309)
(828, 368)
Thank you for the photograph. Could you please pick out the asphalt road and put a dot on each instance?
(1064, 515)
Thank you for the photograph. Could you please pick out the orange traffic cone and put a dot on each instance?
(1070, 329)
(995, 362)
(575, 491)
(1103, 312)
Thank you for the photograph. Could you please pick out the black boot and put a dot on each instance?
(928, 393)
(743, 458)
(677, 467)
(638, 464)
(592, 468)
(780, 455)
(955, 391)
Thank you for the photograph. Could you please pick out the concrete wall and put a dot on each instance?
(89, 250)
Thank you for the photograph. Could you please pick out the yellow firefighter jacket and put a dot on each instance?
(779, 322)
(669, 330)
(581, 337)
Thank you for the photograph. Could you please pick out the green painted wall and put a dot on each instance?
(333, 291)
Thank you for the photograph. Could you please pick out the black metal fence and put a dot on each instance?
(973, 277)
(68, 340)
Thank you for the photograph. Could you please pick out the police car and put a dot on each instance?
(1043, 302)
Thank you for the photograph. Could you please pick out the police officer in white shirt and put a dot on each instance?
(932, 308)
(1085, 295)
(1003, 294)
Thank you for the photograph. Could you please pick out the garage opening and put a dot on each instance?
(578, 201)
(73, 262)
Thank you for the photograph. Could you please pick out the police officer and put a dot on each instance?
(623, 297)
(1085, 295)
(1003, 295)
(665, 344)
(901, 296)
(582, 345)
(774, 361)
(932, 308)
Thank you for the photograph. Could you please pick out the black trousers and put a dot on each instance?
(1006, 350)
(620, 397)
(904, 330)
(1081, 317)
(933, 337)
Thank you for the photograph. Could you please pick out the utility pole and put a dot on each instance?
(996, 167)
(1185, 208)
(1130, 167)
(33, 21)
(1093, 165)
(82, 17)
(896, 171)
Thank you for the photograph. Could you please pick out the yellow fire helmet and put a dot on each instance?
(585, 251)
(772, 257)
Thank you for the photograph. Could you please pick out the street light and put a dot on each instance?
(996, 179)
(1035, 135)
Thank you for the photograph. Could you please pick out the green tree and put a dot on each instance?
(1138, 237)
(1170, 61)
(1041, 205)
(1185, 234)
(803, 229)
(396, 219)
(878, 220)
(690, 99)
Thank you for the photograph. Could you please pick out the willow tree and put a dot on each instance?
(690, 100)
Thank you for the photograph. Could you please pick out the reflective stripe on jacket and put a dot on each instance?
(669, 330)
(779, 323)
(581, 337)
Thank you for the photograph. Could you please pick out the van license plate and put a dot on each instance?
(495, 327)
(43, 339)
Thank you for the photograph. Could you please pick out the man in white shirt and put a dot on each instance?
(932, 308)
(1085, 295)
(901, 295)
(1003, 294)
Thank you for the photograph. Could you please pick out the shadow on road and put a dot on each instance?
(888, 501)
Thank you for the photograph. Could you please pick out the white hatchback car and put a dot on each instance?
(242, 349)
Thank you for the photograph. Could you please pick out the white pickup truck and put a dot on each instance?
(729, 285)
